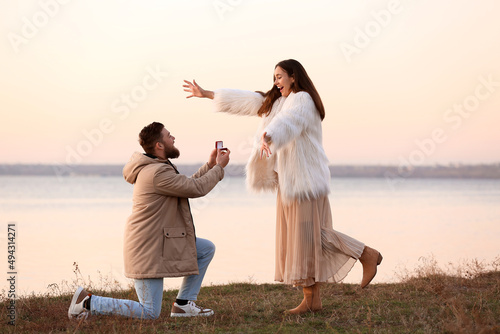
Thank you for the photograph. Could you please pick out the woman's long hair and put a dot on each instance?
(302, 82)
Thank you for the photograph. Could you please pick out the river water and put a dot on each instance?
(60, 221)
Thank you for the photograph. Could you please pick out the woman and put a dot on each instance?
(288, 156)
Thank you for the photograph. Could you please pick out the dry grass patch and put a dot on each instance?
(429, 300)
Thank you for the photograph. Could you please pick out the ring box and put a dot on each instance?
(220, 145)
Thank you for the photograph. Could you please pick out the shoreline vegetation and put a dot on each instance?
(463, 299)
(480, 171)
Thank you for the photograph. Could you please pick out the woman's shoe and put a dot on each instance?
(316, 301)
(370, 259)
(306, 305)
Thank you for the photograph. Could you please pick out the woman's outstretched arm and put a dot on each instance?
(233, 101)
(196, 90)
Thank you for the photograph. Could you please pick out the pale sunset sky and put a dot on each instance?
(409, 80)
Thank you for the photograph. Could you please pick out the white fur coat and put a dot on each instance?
(298, 158)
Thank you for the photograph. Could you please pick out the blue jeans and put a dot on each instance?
(150, 290)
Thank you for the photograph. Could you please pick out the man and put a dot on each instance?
(160, 236)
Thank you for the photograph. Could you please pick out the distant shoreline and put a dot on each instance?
(481, 171)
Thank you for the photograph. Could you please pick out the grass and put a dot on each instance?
(428, 300)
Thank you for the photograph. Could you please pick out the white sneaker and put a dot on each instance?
(76, 308)
(190, 310)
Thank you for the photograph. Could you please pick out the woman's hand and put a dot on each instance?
(265, 140)
(196, 90)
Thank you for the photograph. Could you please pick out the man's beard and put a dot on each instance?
(171, 153)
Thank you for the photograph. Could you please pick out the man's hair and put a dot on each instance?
(149, 136)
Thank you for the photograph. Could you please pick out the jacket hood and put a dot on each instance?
(136, 163)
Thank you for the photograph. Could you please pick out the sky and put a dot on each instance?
(403, 82)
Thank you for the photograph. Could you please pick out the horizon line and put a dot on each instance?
(244, 163)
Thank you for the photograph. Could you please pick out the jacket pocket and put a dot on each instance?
(175, 243)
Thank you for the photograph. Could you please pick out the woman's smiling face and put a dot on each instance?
(283, 81)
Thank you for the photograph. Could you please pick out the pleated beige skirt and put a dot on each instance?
(308, 249)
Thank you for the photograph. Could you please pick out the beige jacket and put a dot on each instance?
(159, 234)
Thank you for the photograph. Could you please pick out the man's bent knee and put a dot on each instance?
(151, 314)
(206, 247)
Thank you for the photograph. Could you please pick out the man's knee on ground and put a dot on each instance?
(151, 314)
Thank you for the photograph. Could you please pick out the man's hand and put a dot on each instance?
(222, 157)
(212, 160)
